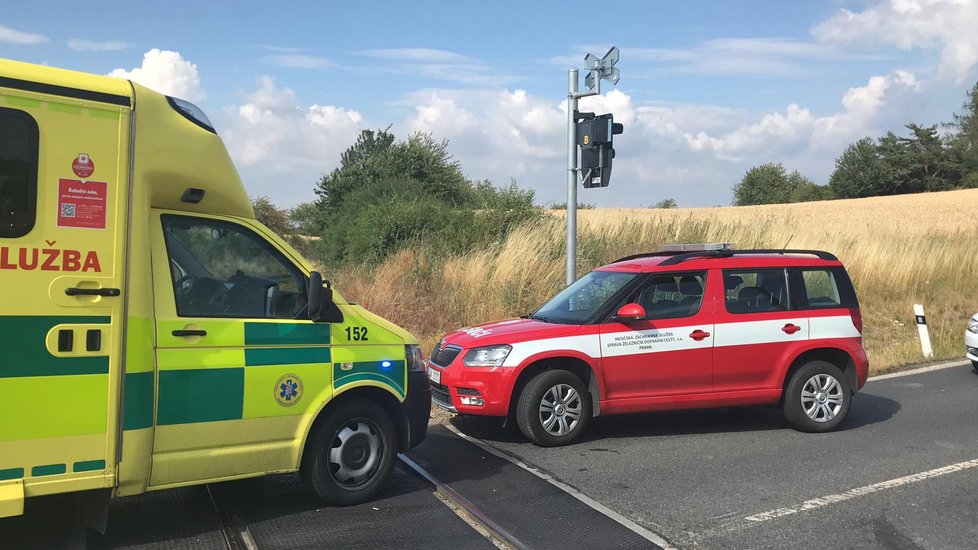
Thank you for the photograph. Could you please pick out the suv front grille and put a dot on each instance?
(441, 396)
(444, 356)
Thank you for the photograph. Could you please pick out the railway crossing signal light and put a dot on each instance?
(595, 136)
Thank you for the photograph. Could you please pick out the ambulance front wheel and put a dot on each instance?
(351, 454)
(554, 408)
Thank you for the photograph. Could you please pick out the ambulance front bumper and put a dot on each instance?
(417, 406)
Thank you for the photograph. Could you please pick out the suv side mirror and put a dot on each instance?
(322, 309)
(631, 312)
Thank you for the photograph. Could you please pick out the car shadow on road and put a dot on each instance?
(266, 501)
(867, 409)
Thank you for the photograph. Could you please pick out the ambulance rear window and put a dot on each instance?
(18, 172)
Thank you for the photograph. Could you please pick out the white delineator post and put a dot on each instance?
(925, 347)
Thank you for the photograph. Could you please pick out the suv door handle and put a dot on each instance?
(75, 291)
(699, 335)
(189, 333)
(790, 328)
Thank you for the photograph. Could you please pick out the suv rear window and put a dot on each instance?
(18, 172)
(755, 290)
(825, 287)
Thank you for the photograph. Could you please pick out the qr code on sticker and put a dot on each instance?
(67, 210)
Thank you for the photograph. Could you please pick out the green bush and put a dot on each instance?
(387, 195)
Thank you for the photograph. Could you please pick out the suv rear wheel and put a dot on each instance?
(817, 398)
(554, 408)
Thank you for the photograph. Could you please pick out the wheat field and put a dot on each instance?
(899, 250)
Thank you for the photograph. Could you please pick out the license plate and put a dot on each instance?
(434, 376)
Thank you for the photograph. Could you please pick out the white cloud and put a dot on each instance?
(82, 45)
(282, 147)
(427, 55)
(280, 49)
(496, 134)
(691, 152)
(797, 131)
(11, 36)
(755, 56)
(783, 131)
(884, 102)
(297, 61)
(946, 25)
(166, 72)
(442, 65)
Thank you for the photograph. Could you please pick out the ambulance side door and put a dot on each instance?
(63, 189)
(241, 371)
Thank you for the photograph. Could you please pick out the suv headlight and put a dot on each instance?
(973, 325)
(415, 358)
(489, 356)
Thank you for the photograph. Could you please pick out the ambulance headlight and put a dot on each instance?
(415, 358)
(489, 356)
(973, 325)
(191, 112)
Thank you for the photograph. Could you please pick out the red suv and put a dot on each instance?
(690, 326)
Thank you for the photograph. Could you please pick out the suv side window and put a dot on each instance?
(220, 269)
(18, 172)
(672, 295)
(755, 290)
(824, 287)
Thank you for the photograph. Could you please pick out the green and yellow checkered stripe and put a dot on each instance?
(52, 469)
(237, 380)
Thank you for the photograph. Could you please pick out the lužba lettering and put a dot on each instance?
(49, 259)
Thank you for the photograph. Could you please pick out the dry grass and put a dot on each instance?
(899, 250)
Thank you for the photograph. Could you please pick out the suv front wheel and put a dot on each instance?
(554, 408)
(817, 398)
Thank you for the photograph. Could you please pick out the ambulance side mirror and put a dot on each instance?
(630, 312)
(322, 309)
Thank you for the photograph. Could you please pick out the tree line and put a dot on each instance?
(924, 159)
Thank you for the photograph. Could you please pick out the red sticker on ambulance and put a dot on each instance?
(82, 203)
(83, 165)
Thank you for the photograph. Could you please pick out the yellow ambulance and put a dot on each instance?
(153, 334)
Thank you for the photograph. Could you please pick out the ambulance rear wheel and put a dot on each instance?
(351, 455)
(554, 408)
(974, 365)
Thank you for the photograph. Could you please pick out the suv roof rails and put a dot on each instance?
(646, 255)
(679, 257)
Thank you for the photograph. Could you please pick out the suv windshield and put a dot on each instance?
(578, 302)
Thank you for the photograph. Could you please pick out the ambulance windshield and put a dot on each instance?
(576, 304)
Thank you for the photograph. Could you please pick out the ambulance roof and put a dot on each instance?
(62, 82)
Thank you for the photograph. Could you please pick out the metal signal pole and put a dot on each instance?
(571, 175)
(598, 70)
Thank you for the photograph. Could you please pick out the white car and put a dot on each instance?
(971, 341)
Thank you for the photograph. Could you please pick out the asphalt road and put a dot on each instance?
(901, 473)
(276, 510)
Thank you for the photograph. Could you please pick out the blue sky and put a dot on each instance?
(708, 88)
